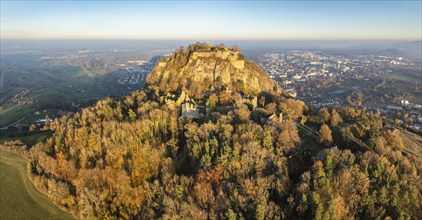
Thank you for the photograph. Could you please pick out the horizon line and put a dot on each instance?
(205, 40)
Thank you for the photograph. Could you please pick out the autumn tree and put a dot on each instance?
(225, 97)
(335, 118)
(32, 128)
(325, 135)
(47, 123)
(212, 100)
(380, 147)
(271, 107)
(261, 101)
(323, 115)
(393, 139)
(132, 115)
(288, 138)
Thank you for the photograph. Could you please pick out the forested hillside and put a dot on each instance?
(225, 154)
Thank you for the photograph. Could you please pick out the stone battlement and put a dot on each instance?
(220, 53)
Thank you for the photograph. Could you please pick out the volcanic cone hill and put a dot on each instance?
(213, 137)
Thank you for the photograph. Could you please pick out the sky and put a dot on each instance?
(212, 20)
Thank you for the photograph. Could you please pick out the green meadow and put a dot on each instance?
(19, 198)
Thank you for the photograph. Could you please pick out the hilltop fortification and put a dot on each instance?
(202, 66)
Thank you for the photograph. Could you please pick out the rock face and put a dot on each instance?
(203, 66)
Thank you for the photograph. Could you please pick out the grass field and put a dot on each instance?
(412, 143)
(19, 198)
(404, 74)
(397, 76)
(308, 140)
(29, 140)
(13, 114)
(417, 98)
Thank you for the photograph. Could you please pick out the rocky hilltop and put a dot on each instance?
(203, 66)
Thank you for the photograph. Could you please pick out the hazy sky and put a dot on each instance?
(191, 20)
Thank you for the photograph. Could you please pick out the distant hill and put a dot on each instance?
(412, 49)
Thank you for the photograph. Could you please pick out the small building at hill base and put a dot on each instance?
(189, 110)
